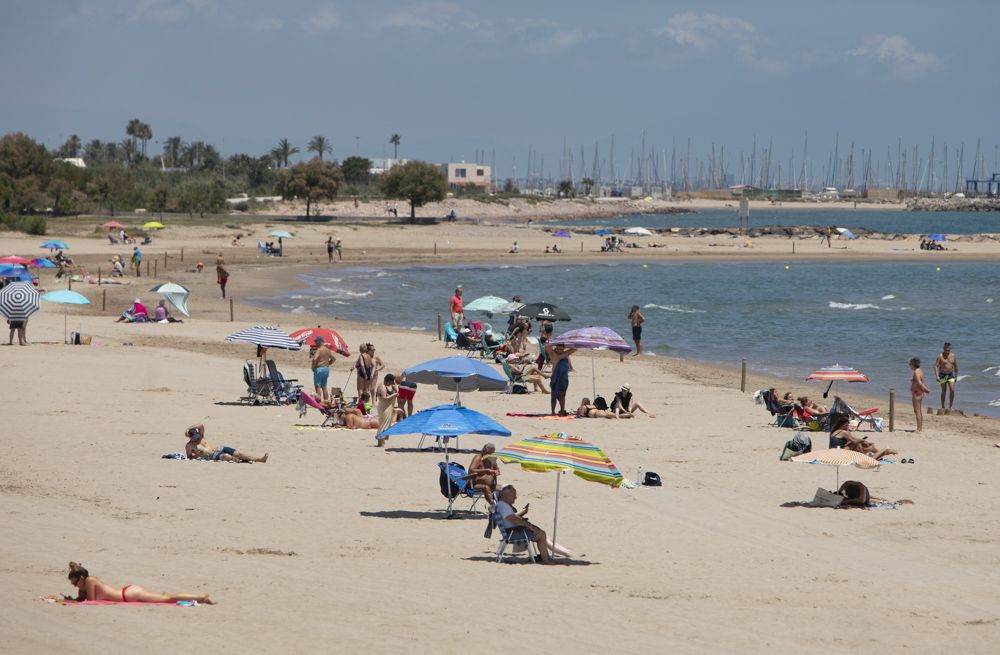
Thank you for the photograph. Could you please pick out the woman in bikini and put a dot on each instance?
(587, 410)
(484, 472)
(918, 390)
(93, 588)
(363, 369)
(842, 437)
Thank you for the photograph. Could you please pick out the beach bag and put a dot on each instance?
(518, 388)
(652, 479)
(600, 403)
(785, 421)
(797, 445)
(826, 498)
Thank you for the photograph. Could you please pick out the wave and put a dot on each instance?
(299, 310)
(992, 368)
(960, 378)
(989, 300)
(848, 305)
(888, 297)
(994, 403)
(674, 308)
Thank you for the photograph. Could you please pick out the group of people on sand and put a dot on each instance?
(623, 405)
(138, 313)
(946, 375)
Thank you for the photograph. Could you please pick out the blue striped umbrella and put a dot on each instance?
(55, 244)
(265, 337)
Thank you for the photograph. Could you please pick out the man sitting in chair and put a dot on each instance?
(514, 520)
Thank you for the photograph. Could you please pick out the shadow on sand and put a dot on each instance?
(433, 514)
(522, 559)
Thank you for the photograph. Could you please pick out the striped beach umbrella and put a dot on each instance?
(593, 338)
(559, 452)
(18, 301)
(332, 338)
(486, 304)
(265, 337)
(838, 457)
(837, 373)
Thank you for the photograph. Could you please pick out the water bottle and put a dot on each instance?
(638, 476)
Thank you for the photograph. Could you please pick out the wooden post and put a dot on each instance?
(98, 275)
(439, 326)
(182, 254)
(156, 266)
(165, 260)
(743, 375)
(230, 310)
(69, 282)
(793, 247)
(147, 268)
(104, 299)
(435, 247)
(892, 410)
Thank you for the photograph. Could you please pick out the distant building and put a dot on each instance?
(384, 165)
(73, 161)
(462, 174)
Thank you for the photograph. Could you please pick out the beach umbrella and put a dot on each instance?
(175, 294)
(487, 304)
(593, 338)
(113, 225)
(837, 373)
(838, 457)
(308, 336)
(847, 234)
(937, 237)
(265, 337)
(543, 311)
(447, 421)
(558, 452)
(65, 297)
(14, 259)
(152, 225)
(281, 234)
(457, 374)
(55, 244)
(638, 232)
(509, 307)
(562, 233)
(602, 231)
(11, 272)
(38, 262)
(18, 301)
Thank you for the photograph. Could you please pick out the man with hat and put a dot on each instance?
(321, 361)
(624, 405)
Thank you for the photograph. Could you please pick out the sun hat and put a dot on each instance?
(511, 356)
(625, 387)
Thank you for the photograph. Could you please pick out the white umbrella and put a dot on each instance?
(175, 294)
(638, 232)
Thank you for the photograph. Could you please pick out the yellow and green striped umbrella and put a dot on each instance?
(558, 452)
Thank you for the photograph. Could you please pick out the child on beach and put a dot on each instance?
(918, 390)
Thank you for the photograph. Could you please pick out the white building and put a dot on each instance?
(384, 165)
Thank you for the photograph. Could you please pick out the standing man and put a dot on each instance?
(221, 274)
(137, 261)
(457, 311)
(946, 372)
(340, 250)
(637, 319)
(329, 250)
(321, 362)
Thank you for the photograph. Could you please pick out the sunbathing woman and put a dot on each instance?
(351, 417)
(484, 471)
(93, 588)
(587, 410)
(812, 408)
(841, 436)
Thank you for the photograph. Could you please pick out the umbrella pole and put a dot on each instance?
(593, 377)
(65, 333)
(827, 392)
(555, 521)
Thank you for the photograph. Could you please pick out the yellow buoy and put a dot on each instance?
(786, 267)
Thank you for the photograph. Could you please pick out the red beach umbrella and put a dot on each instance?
(13, 259)
(837, 373)
(113, 225)
(334, 340)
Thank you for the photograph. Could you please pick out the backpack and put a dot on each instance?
(600, 403)
(518, 388)
(797, 445)
(652, 480)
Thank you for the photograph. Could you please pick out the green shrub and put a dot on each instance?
(27, 224)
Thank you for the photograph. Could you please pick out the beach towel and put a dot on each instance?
(323, 427)
(59, 601)
(182, 456)
(549, 417)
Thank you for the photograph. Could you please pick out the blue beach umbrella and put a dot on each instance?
(41, 263)
(12, 272)
(65, 297)
(562, 233)
(55, 244)
(602, 231)
(281, 234)
(937, 237)
(457, 374)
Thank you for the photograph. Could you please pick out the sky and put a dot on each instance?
(461, 80)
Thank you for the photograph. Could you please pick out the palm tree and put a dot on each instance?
(282, 152)
(93, 152)
(145, 133)
(71, 148)
(132, 130)
(394, 140)
(319, 145)
(172, 148)
(127, 151)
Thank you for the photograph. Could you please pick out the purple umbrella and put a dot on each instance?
(593, 338)
(562, 233)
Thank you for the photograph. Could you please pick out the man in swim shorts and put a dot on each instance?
(946, 373)
(198, 448)
(321, 362)
(457, 310)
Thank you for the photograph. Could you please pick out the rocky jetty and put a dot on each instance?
(953, 204)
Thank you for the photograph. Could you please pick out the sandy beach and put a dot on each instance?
(336, 545)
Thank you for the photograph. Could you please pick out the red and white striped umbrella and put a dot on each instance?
(838, 373)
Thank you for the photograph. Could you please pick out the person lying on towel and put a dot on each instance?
(198, 448)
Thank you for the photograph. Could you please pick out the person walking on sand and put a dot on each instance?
(946, 373)
(918, 390)
(636, 318)
(221, 274)
(321, 362)
(20, 326)
(329, 250)
(137, 261)
(93, 588)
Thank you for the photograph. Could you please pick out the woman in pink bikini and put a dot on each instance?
(918, 390)
(92, 588)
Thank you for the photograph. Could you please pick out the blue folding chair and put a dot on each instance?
(511, 536)
(455, 483)
(450, 336)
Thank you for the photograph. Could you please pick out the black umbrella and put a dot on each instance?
(543, 311)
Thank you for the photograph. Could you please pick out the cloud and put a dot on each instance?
(558, 41)
(431, 16)
(324, 20)
(896, 53)
(704, 31)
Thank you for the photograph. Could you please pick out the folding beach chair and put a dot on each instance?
(784, 417)
(258, 389)
(513, 380)
(487, 351)
(867, 416)
(512, 536)
(283, 390)
(450, 336)
(455, 483)
(329, 415)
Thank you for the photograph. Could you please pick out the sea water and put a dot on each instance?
(873, 316)
(902, 222)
